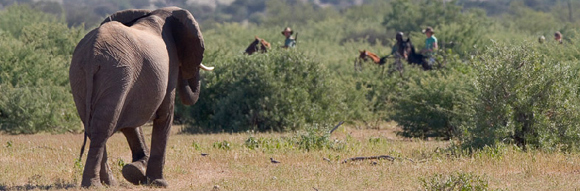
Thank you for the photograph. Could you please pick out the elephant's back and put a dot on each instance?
(116, 44)
(139, 60)
(122, 62)
(110, 43)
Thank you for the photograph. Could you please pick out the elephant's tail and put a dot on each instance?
(83, 147)
(88, 105)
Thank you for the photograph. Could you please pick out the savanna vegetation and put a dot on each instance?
(495, 88)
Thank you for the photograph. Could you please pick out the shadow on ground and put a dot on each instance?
(56, 186)
(59, 184)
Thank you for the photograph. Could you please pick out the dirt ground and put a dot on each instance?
(47, 161)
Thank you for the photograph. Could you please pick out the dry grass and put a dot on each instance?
(47, 162)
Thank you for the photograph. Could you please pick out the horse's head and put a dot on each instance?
(264, 44)
(406, 48)
(364, 55)
(258, 45)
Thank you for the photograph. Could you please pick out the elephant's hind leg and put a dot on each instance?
(160, 134)
(106, 175)
(101, 127)
(134, 172)
(91, 173)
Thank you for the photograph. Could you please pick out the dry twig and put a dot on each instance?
(335, 127)
(384, 157)
(387, 157)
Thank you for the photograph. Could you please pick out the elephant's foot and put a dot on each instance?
(109, 180)
(107, 176)
(91, 183)
(135, 173)
(159, 183)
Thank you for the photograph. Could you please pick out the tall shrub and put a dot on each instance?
(281, 90)
(34, 61)
(525, 97)
(435, 103)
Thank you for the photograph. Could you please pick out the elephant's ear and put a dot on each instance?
(127, 17)
(189, 43)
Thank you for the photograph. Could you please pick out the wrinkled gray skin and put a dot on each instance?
(125, 73)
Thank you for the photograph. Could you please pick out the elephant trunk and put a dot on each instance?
(189, 89)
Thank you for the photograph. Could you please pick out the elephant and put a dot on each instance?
(125, 73)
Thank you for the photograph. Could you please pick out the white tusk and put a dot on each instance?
(203, 67)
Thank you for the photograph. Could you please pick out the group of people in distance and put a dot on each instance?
(557, 38)
(429, 49)
(261, 46)
(430, 44)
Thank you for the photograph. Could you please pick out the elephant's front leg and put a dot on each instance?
(134, 172)
(106, 175)
(160, 135)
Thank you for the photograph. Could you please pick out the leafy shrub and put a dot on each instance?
(224, 145)
(196, 146)
(525, 97)
(266, 144)
(434, 104)
(253, 142)
(455, 181)
(34, 61)
(28, 110)
(313, 138)
(370, 93)
(276, 91)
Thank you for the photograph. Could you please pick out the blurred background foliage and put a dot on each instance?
(494, 83)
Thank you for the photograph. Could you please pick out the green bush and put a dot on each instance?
(456, 181)
(371, 92)
(316, 139)
(224, 145)
(435, 104)
(29, 110)
(281, 90)
(525, 97)
(313, 138)
(34, 61)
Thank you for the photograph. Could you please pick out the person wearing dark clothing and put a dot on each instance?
(397, 48)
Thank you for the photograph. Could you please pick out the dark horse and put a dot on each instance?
(259, 45)
(415, 58)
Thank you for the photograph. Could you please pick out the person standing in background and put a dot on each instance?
(430, 45)
(558, 37)
(289, 42)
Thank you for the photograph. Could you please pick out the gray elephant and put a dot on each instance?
(125, 73)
